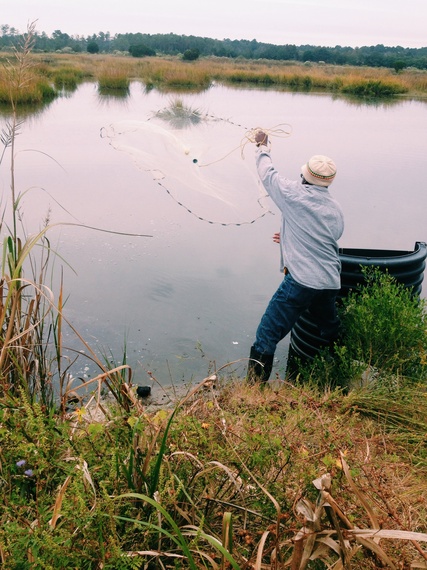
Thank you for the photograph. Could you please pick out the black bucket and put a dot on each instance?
(407, 267)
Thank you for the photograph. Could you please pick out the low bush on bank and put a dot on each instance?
(374, 88)
(383, 339)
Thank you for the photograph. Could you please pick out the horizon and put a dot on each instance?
(323, 23)
(90, 35)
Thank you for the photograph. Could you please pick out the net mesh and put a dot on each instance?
(201, 161)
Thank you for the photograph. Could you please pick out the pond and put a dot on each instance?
(187, 300)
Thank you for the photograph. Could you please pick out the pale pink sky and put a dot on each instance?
(317, 22)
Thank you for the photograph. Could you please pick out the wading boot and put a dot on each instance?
(259, 367)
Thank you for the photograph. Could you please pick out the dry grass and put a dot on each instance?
(283, 439)
(114, 77)
(172, 72)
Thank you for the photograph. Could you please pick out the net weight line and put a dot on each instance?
(281, 131)
(249, 137)
(213, 222)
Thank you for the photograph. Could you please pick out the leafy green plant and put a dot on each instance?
(385, 326)
(384, 337)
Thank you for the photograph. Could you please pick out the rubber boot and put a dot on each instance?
(259, 367)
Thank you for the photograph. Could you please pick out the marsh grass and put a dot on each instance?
(115, 77)
(173, 73)
(67, 77)
(32, 358)
(299, 78)
(19, 81)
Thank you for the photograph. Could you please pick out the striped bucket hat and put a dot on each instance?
(319, 170)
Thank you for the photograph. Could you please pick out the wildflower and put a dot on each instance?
(29, 473)
(21, 463)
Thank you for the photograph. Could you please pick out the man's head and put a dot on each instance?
(319, 170)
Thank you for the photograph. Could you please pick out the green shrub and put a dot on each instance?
(191, 54)
(92, 47)
(385, 325)
(384, 336)
(371, 88)
(141, 50)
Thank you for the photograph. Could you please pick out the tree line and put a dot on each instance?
(139, 44)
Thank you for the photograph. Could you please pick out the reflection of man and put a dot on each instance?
(312, 222)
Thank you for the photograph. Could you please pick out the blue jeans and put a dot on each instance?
(287, 304)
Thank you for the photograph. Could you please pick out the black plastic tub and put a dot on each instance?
(407, 267)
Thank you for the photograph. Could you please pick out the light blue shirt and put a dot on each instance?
(312, 223)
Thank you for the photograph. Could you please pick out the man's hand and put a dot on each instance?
(276, 237)
(261, 138)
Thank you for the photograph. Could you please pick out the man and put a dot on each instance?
(312, 223)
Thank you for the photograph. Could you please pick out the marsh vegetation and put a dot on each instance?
(116, 71)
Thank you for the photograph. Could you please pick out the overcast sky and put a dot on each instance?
(316, 22)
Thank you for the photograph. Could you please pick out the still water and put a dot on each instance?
(186, 300)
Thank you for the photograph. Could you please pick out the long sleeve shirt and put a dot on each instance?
(312, 223)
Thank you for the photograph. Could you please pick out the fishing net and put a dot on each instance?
(198, 159)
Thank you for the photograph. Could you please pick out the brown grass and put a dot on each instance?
(172, 72)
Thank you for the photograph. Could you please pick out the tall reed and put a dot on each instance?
(31, 320)
(24, 303)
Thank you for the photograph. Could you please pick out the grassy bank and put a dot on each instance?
(227, 479)
(173, 73)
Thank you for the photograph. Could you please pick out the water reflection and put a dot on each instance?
(377, 102)
(65, 89)
(24, 111)
(178, 89)
(108, 92)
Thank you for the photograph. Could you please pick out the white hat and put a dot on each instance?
(319, 170)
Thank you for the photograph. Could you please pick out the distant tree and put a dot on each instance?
(309, 55)
(398, 65)
(60, 39)
(191, 54)
(141, 50)
(92, 47)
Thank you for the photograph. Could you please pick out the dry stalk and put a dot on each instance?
(313, 540)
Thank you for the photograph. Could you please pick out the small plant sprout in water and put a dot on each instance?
(179, 115)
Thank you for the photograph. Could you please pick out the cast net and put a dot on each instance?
(199, 160)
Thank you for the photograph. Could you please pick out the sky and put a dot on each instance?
(328, 23)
